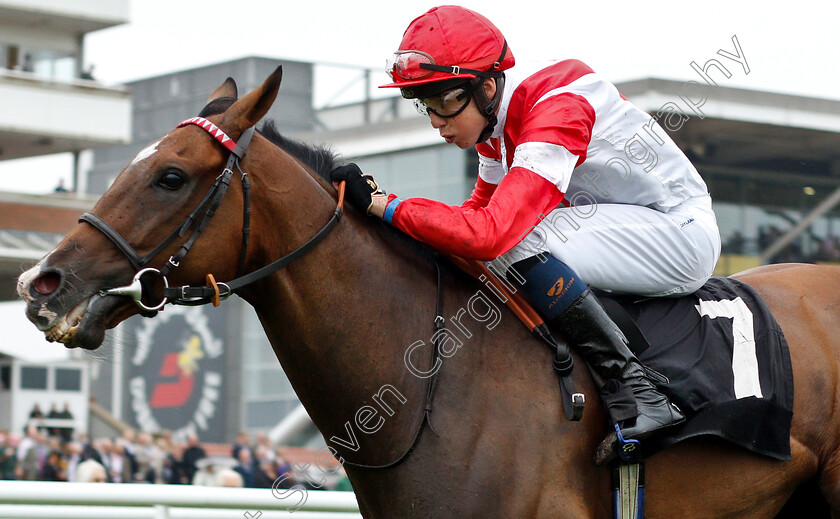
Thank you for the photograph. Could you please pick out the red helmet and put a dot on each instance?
(449, 42)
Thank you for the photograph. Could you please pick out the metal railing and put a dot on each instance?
(42, 499)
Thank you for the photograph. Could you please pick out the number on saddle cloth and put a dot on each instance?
(725, 362)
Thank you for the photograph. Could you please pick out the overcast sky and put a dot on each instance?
(789, 47)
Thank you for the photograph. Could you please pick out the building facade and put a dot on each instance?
(49, 106)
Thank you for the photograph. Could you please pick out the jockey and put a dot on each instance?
(576, 188)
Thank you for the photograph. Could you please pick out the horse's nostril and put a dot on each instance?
(46, 284)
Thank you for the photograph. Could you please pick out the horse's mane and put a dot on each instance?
(321, 160)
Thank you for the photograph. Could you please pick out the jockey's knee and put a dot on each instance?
(548, 283)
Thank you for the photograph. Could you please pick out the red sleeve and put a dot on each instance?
(481, 194)
(481, 233)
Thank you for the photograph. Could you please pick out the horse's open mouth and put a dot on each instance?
(65, 329)
(85, 324)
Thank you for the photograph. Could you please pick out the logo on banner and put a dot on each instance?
(176, 377)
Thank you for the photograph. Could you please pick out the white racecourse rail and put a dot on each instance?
(42, 499)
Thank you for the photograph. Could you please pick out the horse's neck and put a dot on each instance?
(340, 320)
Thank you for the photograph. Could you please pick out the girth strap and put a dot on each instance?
(439, 324)
(573, 401)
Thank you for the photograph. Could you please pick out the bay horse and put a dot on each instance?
(351, 323)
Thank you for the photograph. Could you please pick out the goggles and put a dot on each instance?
(445, 104)
(411, 65)
(408, 65)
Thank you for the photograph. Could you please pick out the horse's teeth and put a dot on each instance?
(62, 331)
(56, 332)
(65, 338)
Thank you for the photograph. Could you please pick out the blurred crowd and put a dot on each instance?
(139, 457)
(808, 248)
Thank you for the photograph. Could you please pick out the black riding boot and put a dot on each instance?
(616, 370)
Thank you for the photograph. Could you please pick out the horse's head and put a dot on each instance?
(168, 187)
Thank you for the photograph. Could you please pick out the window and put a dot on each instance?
(5, 377)
(68, 379)
(12, 57)
(33, 378)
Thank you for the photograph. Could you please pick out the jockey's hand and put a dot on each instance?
(362, 191)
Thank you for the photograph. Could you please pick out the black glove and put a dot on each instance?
(360, 186)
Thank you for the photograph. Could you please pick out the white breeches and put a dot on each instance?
(629, 248)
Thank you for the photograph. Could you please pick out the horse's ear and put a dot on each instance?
(227, 89)
(251, 108)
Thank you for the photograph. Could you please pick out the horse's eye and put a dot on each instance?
(171, 181)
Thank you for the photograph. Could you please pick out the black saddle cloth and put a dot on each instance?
(726, 360)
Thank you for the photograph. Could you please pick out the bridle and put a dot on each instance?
(214, 292)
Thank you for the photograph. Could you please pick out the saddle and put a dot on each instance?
(718, 354)
(725, 362)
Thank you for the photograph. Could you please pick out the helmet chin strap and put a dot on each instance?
(487, 106)
(488, 130)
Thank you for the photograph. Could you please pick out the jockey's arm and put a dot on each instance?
(480, 196)
(474, 231)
